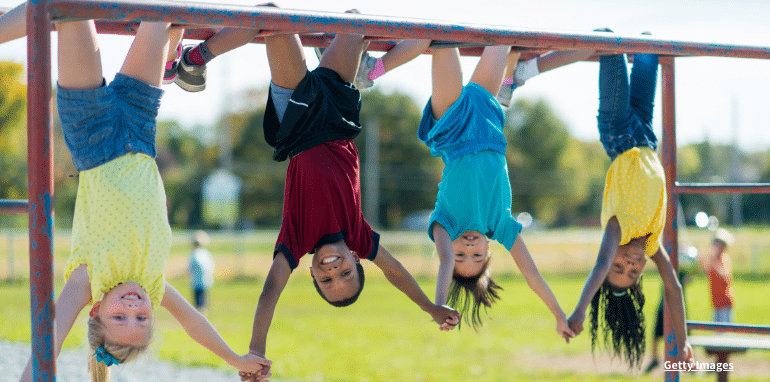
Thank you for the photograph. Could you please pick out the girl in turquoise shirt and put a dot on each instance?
(463, 126)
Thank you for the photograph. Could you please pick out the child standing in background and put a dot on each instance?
(201, 269)
(719, 270)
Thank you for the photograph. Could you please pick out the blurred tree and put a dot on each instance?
(13, 135)
(553, 176)
(409, 175)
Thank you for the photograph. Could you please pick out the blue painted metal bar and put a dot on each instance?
(13, 206)
(40, 181)
(730, 328)
(296, 21)
(726, 188)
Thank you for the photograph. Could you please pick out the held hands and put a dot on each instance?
(445, 316)
(575, 322)
(685, 353)
(253, 367)
(563, 328)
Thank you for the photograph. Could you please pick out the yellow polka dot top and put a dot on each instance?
(635, 193)
(120, 228)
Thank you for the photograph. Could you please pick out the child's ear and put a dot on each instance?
(311, 273)
(95, 309)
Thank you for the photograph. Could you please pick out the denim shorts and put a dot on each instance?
(102, 124)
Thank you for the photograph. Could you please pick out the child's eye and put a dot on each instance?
(141, 318)
(326, 280)
(477, 255)
(346, 273)
(119, 317)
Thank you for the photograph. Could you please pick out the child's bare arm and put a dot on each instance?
(535, 280)
(13, 24)
(73, 298)
(446, 262)
(200, 330)
(674, 301)
(274, 283)
(401, 279)
(607, 250)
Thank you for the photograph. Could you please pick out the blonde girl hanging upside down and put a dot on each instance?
(120, 235)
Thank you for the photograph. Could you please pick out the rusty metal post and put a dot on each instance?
(40, 169)
(670, 239)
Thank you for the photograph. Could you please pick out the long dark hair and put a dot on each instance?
(469, 294)
(622, 326)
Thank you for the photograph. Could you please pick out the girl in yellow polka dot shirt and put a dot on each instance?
(120, 236)
(633, 216)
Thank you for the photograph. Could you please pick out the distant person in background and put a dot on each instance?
(201, 268)
(719, 270)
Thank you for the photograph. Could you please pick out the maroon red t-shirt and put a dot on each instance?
(322, 203)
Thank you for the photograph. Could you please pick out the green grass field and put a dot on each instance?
(386, 337)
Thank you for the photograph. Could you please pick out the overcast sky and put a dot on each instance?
(713, 94)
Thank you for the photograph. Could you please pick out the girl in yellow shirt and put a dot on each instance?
(120, 236)
(633, 216)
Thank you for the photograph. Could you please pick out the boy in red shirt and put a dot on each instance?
(719, 270)
(312, 118)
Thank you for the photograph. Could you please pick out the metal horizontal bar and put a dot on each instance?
(731, 328)
(276, 19)
(725, 188)
(12, 206)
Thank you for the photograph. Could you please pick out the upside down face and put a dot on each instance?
(126, 314)
(471, 252)
(627, 265)
(334, 270)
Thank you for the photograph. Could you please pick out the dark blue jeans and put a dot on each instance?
(625, 111)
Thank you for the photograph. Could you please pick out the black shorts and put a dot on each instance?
(323, 108)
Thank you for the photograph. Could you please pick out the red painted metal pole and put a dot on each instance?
(670, 239)
(296, 21)
(728, 328)
(13, 206)
(40, 165)
(727, 188)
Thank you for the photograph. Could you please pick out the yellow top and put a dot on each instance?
(120, 228)
(635, 193)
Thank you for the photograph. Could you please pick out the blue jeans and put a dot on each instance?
(625, 111)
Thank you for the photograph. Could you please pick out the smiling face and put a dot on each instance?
(627, 265)
(471, 252)
(334, 271)
(126, 314)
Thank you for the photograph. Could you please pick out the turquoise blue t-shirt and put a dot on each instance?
(475, 191)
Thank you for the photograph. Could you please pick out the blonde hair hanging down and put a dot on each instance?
(122, 353)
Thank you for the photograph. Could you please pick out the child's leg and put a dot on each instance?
(447, 80)
(344, 55)
(491, 67)
(80, 64)
(222, 42)
(286, 60)
(556, 59)
(13, 24)
(613, 92)
(146, 57)
(644, 77)
(402, 53)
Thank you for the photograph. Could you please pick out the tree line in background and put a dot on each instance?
(555, 177)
